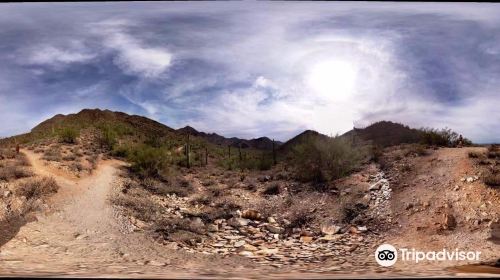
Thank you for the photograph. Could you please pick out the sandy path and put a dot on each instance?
(79, 235)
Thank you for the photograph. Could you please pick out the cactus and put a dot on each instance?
(206, 156)
(188, 163)
(239, 151)
(274, 154)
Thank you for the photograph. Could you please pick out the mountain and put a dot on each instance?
(304, 136)
(95, 117)
(141, 127)
(262, 143)
(384, 134)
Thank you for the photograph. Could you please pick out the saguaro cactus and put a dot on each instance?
(188, 163)
(274, 153)
(206, 156)
(239, 151)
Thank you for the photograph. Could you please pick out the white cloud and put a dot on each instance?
(54, 56)
(133, 56)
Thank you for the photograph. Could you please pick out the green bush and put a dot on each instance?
(444, 137)
(320, 159)
(149, 161)
(68, 135)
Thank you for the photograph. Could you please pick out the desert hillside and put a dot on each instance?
(106, 193)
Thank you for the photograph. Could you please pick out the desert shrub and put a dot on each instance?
(120, 151)
(444, 137)
(36, 187)
(180, 230)
(325, 159)
(7, 153)
(68, 135)
(416, 149)
(272, 189)
(299, 215)
(53, 154)
(76, 166)
(148, 161)
(69, 158)
(376, 152)
(10, 172)
(474, 154)
(22, 160)
(492, 178)
(178, 187)
(139, 206)
(493, 151)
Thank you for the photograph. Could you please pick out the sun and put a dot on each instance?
(332, 80)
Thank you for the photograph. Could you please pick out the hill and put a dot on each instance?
(384, 134)
(97, 117)
(261, 143)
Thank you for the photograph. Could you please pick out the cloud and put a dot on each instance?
(133, 57)
(51, 55)
(255, 69)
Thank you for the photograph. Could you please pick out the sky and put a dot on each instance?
(251, 69)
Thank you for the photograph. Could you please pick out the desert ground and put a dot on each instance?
(80, 232)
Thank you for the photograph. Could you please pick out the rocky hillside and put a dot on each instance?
(94, 117)
(384, 134)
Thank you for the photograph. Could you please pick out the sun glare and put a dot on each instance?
(332, 80)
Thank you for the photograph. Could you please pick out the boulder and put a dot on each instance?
(274, 229)
(329, 229)
(238, 222)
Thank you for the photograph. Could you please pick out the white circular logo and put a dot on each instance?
(386, 255)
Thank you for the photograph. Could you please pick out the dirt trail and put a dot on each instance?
(80, 235)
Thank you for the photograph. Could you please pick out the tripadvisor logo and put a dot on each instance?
(387, 255)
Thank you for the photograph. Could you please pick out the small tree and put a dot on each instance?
(68, 135)
(318, 159)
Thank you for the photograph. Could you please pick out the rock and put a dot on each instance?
(462, 180)
(248, 247)
(213, 228)
(449, 222)
(470, 179)
(362, 229)
(457, 187)
(238, 222)
(155, 263)
(306, 233)
(7, 193)
(238, 244)
(327, 238)
(251, 214)
(495, 233)
(306, 239)
(267, 251)
(266, 178)
(375, 186)
(271, 220)
(274, 229)
(329, 229)
(245, 254)
(354, 230)
(172, 246)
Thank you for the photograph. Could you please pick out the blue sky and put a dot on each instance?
(252, 69)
